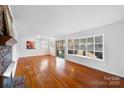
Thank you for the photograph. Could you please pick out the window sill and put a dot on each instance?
(86, 57)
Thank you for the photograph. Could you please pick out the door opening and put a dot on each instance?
(60, 49)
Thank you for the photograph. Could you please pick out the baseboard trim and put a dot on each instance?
(34, 56)
(96, 69)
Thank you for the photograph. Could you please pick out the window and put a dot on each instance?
(71, 46)
(90, 47)
(76, 46)
(99, 47)
(52, 43)
(82, 45)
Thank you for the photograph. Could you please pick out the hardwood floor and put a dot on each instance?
(52, 72)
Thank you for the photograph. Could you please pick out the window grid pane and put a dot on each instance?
(91, 47)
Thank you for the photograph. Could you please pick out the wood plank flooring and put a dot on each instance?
(52, 72)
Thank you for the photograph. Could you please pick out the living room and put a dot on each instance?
(54, 46)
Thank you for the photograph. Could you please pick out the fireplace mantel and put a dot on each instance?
(7, 40)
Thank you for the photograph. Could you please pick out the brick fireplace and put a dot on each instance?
(5, 57)
(7, 41)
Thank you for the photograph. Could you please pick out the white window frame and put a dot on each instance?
(86, 46)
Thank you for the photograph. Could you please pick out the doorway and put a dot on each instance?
(60, 48)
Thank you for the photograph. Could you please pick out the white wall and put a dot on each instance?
(19, 49)
(42, 47)
(114, 49)
(52, 49)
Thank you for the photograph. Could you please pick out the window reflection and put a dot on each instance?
(44, 65)
(60, 64)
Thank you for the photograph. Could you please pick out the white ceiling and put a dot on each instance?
(52, 21)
